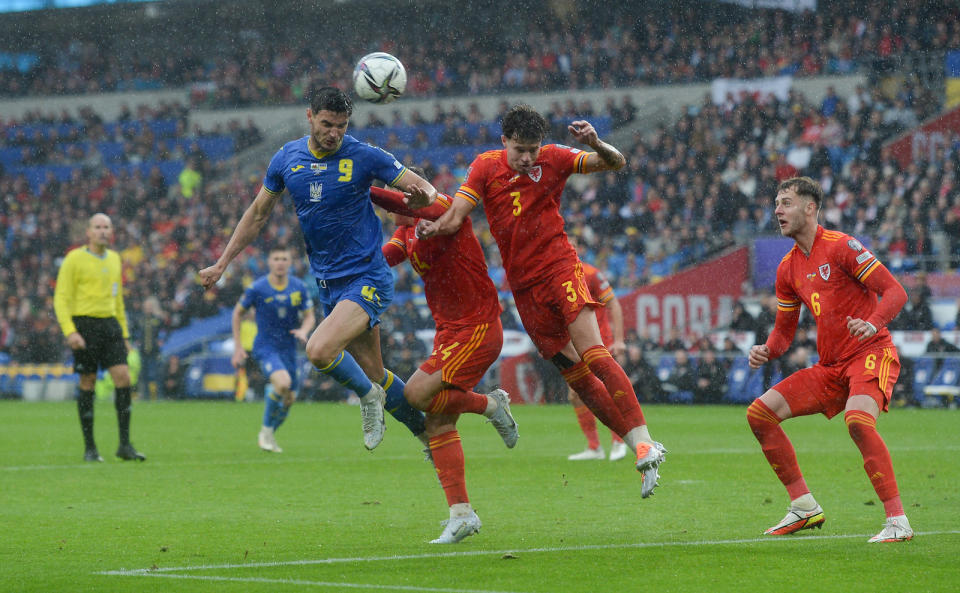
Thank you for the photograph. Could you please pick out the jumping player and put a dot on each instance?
(468, 340)
(284, 315)
(328, 175)
(838, 280)
(520, 187)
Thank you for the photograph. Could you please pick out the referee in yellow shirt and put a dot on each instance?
(88, 301)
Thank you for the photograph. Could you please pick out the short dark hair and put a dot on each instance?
(804, 186)
(278, 247)
(524, 123)
(329, 98)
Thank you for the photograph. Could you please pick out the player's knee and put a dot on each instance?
(417, 396)
(320, 354)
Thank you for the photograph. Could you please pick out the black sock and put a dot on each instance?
(122, 403)
(85, 410)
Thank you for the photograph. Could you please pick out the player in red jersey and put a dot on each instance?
(520, 187)
(611, 332)
(838, 280)
(468, 340)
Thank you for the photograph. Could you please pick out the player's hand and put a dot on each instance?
(418, 197)
(583, 132)
(441, 226)
(759, 355)
(76, 341)
(239, 358)
(210, 276)
(860, 329)
(300, 334)
(618, 350)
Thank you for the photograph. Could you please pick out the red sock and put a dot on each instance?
(595, 396)
(776, 447)
(588, 424)
(457, 401)
(448, 459)
(618, 385)
(876, 459)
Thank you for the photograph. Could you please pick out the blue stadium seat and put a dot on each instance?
(922, 374)
(737, 378)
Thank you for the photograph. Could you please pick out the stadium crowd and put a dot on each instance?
(695, 187)
(234, 66)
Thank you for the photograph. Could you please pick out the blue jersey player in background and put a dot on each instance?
(284, 314)
(328, 176)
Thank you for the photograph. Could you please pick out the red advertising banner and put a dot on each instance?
(923, 143)
(697, 300)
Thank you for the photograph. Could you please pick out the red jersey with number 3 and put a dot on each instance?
(524, 209)
(838, 279)
(455, 279)
(600, 290)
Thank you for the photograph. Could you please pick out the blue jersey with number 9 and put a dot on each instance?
(331, 194)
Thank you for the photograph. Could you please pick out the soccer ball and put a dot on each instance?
(379, 78)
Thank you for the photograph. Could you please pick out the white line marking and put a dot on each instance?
(319, 583)
(319, 561)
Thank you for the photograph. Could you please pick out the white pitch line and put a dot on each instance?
(319, 583)
(320, 561)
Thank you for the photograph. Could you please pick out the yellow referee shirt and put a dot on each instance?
(89, 285)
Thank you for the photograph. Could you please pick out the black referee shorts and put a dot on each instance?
(105, 345)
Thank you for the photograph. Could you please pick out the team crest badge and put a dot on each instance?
(825, 271)
(316, 191)
(855, 245)
(536, 173)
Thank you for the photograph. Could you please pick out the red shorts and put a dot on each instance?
(549, 306)
(822, 389)
(463, 354)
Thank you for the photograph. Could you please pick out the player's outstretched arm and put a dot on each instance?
(394, 201)
(605, 157)
(450, 222)
(420, 193)
(247, 230)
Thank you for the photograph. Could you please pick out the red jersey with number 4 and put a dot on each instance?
(839, 278)
(524, 210)
(600, 290)
(455, 279)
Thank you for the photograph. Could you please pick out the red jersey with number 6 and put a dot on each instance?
(839, 278)
(524, 210)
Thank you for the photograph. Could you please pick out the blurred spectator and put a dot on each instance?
(711, 379)
(174, 374)
(938, 345)
(682, 377)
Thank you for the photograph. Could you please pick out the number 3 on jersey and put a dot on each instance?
(517, 206)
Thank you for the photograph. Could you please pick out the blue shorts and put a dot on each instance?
(272, 360)
(372, 290)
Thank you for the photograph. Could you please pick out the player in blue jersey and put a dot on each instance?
(284, 314)
(328, 176)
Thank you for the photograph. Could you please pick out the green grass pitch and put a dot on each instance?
(210, 512)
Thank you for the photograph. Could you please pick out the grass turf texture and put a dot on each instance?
(326, 515)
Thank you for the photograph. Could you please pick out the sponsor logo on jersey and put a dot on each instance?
(855, 245)
(824, 271)
(536, 173)
(297, 168)
(864, 257)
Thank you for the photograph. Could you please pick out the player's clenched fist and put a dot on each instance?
(758, 356)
